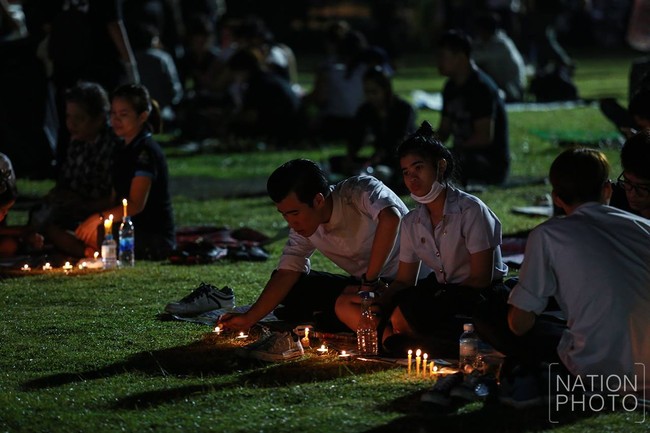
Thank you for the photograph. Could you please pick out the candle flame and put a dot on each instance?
(418, 352)
(410, 352)
(96, 254)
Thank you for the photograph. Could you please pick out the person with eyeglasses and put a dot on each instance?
(595, 262)
(632, 188)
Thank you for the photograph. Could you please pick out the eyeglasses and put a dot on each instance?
(641, 189)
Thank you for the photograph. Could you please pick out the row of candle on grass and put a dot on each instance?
(422, 366)
(67, 267)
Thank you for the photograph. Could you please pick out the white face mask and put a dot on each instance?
(436, 189)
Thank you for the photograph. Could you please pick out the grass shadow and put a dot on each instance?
(461, 417)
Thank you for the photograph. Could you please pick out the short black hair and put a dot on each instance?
(301, 176)
(578, 175)
(635, 154)
(456, 41)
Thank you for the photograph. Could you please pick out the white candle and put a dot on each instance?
(124, 205)
(424, 364)
(418, 359)
(26, 267)
(242, 335)
(410, 355)
(322, 350)
(344, 355)
(217, 330)
(47, 266)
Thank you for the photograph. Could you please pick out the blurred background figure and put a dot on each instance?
(382, 122)
(496, 54)
(84, 182)
(158, 72)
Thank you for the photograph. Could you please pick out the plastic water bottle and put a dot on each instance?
(127, 243)
(468, 349)
(367, 327)
(109, 252)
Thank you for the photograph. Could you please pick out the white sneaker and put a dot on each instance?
(204, 298)
(277, 346)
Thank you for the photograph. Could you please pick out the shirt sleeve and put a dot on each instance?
(536, 278)
(145, 164)
(371, 196)
(481, 228)
(296, 253)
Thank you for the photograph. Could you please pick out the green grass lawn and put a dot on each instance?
(87, 352)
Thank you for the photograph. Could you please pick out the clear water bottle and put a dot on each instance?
(109, 252)
(127, 243)
(367, 328)
(468, 343)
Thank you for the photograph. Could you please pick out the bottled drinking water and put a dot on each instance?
(468, 348)
(367, 327)
(109, 251)
(127, 243)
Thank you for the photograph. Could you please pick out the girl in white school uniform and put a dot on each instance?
(453, 234)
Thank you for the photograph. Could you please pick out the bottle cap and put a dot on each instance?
(365, 294)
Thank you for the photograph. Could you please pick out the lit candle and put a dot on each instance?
(124, 205)
(433, 367)
(424, 364)
(305, 340)
(418, 360)
(217, 330)
(322, 350)
(96, 255)
(344, 355)
(83, 265)
(26, 267)
(47, 266)
(108, 224)
(242, 335)
(410, 355)
(435, 370)
(67, 267)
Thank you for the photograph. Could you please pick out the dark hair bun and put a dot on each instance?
(425, 129)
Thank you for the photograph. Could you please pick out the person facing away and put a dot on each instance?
(596, 263)
(473, 114)
(84, 181)
(497, 55)
(13, 239)
(451, 235)
(354, 223)
(140, 175)
(631, 192)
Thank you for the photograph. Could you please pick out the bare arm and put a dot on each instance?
(276, 289)
(382, 244)
(138, 195)
(520, 321)
(481, 266)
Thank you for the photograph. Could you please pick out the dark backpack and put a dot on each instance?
(70, 43)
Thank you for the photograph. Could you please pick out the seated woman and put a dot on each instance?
(84, 183)
(452, 233)
(383, 121)
(140, 175)
(13, 239)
